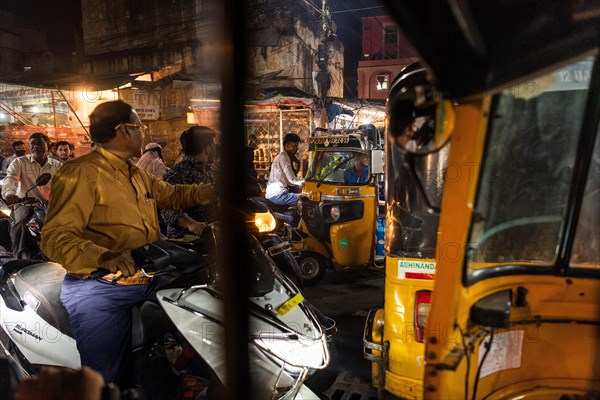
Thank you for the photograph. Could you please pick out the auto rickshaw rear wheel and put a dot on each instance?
(313, 266)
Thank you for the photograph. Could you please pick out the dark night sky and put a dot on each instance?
(57, 18)
(347, 16)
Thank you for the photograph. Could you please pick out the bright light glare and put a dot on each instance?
(301, 352)
(265, 222)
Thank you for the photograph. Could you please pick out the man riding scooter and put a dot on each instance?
(102, 206)
(282, 179)
(20, 177)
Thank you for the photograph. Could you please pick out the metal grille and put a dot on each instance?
(311, 215)
(269, 126)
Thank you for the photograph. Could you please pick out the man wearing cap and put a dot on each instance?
(152, 161)
(282, 175)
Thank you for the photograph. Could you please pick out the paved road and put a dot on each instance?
(347, 296)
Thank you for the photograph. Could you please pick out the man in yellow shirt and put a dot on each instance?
(102, 206)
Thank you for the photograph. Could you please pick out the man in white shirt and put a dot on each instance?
(282, 176)
(20, 177)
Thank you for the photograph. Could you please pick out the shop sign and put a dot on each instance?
(329, 140)
(415, 267)
(26, 94)
(145, 103)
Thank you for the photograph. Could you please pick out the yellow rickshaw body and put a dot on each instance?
(351, 238)
(550, 347)
(405, 355)
(350, 243)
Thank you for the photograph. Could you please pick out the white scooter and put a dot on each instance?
(286, 343)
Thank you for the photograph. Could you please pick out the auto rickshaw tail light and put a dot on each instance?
(422, 301)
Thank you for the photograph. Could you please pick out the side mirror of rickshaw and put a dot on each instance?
(429, 131)
(418, 119)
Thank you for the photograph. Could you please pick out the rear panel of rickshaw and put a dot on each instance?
(414, 187)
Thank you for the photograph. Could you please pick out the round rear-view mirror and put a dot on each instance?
(417, 120)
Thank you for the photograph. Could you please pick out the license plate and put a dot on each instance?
(279, 248)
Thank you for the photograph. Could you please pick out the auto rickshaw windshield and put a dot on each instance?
(340, 166)
(527, 172)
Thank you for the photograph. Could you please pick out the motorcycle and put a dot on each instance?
(286, 342)
(310, 254)
(35, 223)
(268, 226)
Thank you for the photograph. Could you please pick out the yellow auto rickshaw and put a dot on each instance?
(339, 204)
(515, 308)
(394, 337)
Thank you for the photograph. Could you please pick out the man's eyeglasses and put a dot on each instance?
(136, 126)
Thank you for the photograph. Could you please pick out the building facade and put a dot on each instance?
(385, 51)
(282, 51)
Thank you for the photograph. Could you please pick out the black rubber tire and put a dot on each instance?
(312, 266)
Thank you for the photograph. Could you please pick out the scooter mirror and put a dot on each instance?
(43, 179)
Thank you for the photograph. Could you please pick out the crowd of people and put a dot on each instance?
(90, 225)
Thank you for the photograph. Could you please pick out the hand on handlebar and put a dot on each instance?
(114, 262)
(11, 199)
(196, 227)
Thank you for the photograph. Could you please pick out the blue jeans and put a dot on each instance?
(285, 199)
(100, 315)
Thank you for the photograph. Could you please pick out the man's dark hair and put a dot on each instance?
(63, 143)
(291, 137)
(196, 139)
(17, 143)
(106, 117)
(39, 135)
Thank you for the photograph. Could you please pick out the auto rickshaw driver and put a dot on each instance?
(359, 173)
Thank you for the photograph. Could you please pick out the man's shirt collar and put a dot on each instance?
(116, 162)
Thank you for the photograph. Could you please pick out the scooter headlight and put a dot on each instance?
(335, 213)
(295, 353)
(6, 211)
(265, 222)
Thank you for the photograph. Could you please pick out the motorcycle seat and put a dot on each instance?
(276, 208)
(39, 286)
(286, 214)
